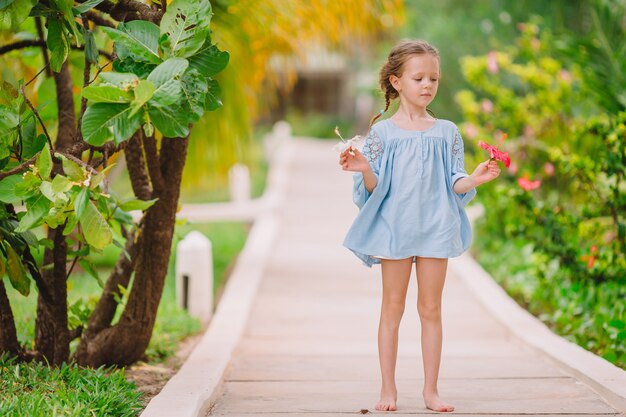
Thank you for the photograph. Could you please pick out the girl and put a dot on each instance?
(411, 187)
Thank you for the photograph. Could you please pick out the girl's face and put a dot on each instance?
(417, 85)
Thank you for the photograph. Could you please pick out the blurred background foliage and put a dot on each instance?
(268, 39)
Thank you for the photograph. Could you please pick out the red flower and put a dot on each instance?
(527, 184)
(591, 258)
(495, 153)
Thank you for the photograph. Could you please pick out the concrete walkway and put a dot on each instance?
(309, 348)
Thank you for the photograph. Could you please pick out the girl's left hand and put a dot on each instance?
(486, 171)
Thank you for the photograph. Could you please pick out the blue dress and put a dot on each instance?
(413, 211)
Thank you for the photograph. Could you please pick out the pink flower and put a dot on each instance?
(495, 153)
(565, 76)
(492, 63)
(486, 106)
(529, 131)
(548, 168)
(535, 44)
(527, 184)
(471, 131)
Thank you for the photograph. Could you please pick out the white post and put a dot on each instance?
(194, 276)
(239, 182)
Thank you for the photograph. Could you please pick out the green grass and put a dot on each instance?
(36, 390)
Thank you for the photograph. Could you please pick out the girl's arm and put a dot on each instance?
(369, 179)
(484, 172)
(357, 162)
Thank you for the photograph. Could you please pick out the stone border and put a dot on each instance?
(603, 377)
(197, 385)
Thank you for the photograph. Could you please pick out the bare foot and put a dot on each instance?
(433, 402)
(387, 401)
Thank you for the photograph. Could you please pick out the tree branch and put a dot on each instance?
(127, 10)
(100, 20)
(44, 49)
(36, 113)
(23, 167)
(34, 43)
(20, 45)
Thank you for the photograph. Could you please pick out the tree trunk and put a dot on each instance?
(52, 336)
(127, 341)
(8, 334)
(104, 311)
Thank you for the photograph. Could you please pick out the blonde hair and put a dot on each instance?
(393, 66)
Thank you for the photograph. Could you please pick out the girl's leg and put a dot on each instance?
(396, 274)
(431, 275)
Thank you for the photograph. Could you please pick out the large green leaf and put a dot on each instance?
(129, 65)
(209, 60)
(17, 273)
(74, 171)
(7, 189)
(143, 92)
(213, 99)
(9, 118)
(65, 6)
(81, 201)
(103, 120)
(171, 121)
(137, 39)
(107, 94)
(15, 12)
(37, 208)
(44, 162)
(57, 44)
(122, 80)
(194, 88)
(165, 79)
(61, 184)
(31, 144)
(185, 26)
(86, 6)
(135, 204)
(96, 230)
(70, 224)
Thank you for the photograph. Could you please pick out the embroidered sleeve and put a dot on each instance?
(458, 152)
(373, 148)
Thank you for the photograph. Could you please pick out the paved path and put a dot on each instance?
(310, 349)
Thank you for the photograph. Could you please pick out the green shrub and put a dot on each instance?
(554, 231)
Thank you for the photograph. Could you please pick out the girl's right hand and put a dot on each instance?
(357, 162)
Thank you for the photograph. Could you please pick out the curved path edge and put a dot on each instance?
(603, 377)
(198, 383)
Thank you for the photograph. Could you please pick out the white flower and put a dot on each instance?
(355, 142)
